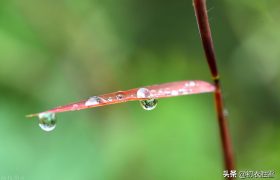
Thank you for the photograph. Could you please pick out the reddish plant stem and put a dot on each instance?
(205, 33)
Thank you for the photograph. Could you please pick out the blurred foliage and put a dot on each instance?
(56, 52)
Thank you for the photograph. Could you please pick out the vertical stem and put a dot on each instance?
(205, 34)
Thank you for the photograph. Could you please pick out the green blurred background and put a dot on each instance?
(56, 52)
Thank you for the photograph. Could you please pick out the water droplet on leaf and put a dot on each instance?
(181, 91)
(75, 107)
(143, 93)
(47, 121)
(149, 104)
(120, 96)
(190, 84)
(174, 93)
(93, 101)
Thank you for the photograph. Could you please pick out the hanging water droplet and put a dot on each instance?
(47, 121)
(93, 101)
(143, 93)
(149, 104)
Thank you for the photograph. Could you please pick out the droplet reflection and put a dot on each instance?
(149, 104)
(47, 121)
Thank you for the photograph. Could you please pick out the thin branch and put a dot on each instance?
(205, 33)
(165, 90)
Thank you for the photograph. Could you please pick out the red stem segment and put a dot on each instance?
(205, 33)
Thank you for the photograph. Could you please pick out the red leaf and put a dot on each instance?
(165, 90)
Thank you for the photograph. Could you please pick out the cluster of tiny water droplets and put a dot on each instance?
(148, 104)
(188, 87)
(47, 121)
(94, 101)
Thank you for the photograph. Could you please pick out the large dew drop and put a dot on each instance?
(149, 104)
(47, 121)
(143, 93)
